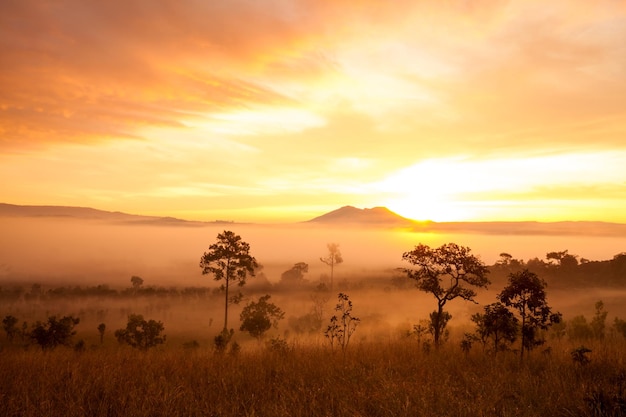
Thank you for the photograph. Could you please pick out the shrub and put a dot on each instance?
(54, 332)
(141, 334)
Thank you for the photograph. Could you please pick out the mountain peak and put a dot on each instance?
(371, 216)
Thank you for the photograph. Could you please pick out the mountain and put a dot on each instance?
(86, 213)
(383, 217)
(378, 216)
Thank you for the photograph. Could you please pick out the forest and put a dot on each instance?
(444, 335)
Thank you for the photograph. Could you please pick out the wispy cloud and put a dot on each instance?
(305, 98)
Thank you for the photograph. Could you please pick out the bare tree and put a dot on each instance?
(333, 258)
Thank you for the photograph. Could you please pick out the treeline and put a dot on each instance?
(562, 269)
(559, 269)
(36, 292)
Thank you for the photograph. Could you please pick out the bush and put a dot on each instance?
(54, 332)
(141, 334)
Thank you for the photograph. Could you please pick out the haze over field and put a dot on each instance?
(279, 111)
(80, 245)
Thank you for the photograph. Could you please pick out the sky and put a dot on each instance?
(281, 110)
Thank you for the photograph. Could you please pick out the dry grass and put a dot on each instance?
(372, 379)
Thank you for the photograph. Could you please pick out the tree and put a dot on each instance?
(333, 258)
(295, 275)
(579, 329)
(563, 259)
(452, 263)
(437, 323)
(136, 281)
(258, 317)
(54, 332)
(526, 293)
(496, 323)
(507, 262)
(228, 260)
(598, 323)
(101, 328)
(311, 322)
(9, 326)
(141, 334)
(342, 326)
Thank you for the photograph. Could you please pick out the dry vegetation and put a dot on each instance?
(372, 379)
(382, 373)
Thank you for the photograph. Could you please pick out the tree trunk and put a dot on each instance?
(226, 306)
(523, 333)
(437, 324)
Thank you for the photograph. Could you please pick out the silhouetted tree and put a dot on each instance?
(54, 332)
(332, 259)
(437, 322)
(563, 259)
(343, 325)
(9, 325)
(453, 264)
(295, 275)
(229, 260)
(525, 293)
(136, 281)
(101, 328)
(508, 263)
(498, 324)
(258, 317)
(620, 326)
(141, 334)
(598, 322)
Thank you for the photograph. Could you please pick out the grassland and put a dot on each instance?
(393, 378)
(382, 373)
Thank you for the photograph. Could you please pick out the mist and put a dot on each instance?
(88, 252)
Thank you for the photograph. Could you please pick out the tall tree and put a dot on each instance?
(526, 293)
(448, 272)
(333, 258)
(229, 260)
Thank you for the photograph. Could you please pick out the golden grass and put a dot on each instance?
(395, 378)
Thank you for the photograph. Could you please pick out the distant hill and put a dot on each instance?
(379, 216)
(349, 216)
(86, 213)
(383, 217)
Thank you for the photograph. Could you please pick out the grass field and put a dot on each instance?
(382, 373)
(395, 378)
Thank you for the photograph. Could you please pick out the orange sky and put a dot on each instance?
(277, 111)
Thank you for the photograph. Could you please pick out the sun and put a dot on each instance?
(414, 208)
(430, 190)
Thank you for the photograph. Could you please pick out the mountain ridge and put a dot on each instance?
(346, 216)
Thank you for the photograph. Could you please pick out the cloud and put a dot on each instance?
(75, 71)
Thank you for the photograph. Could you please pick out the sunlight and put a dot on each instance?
(461, 189)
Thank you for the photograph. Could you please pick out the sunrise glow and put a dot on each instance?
(280, 111)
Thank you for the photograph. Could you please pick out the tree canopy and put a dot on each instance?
(526, 293)
(448, 272)
(228, 260)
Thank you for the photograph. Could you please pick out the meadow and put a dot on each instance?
(394, 378)
(385, 371)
